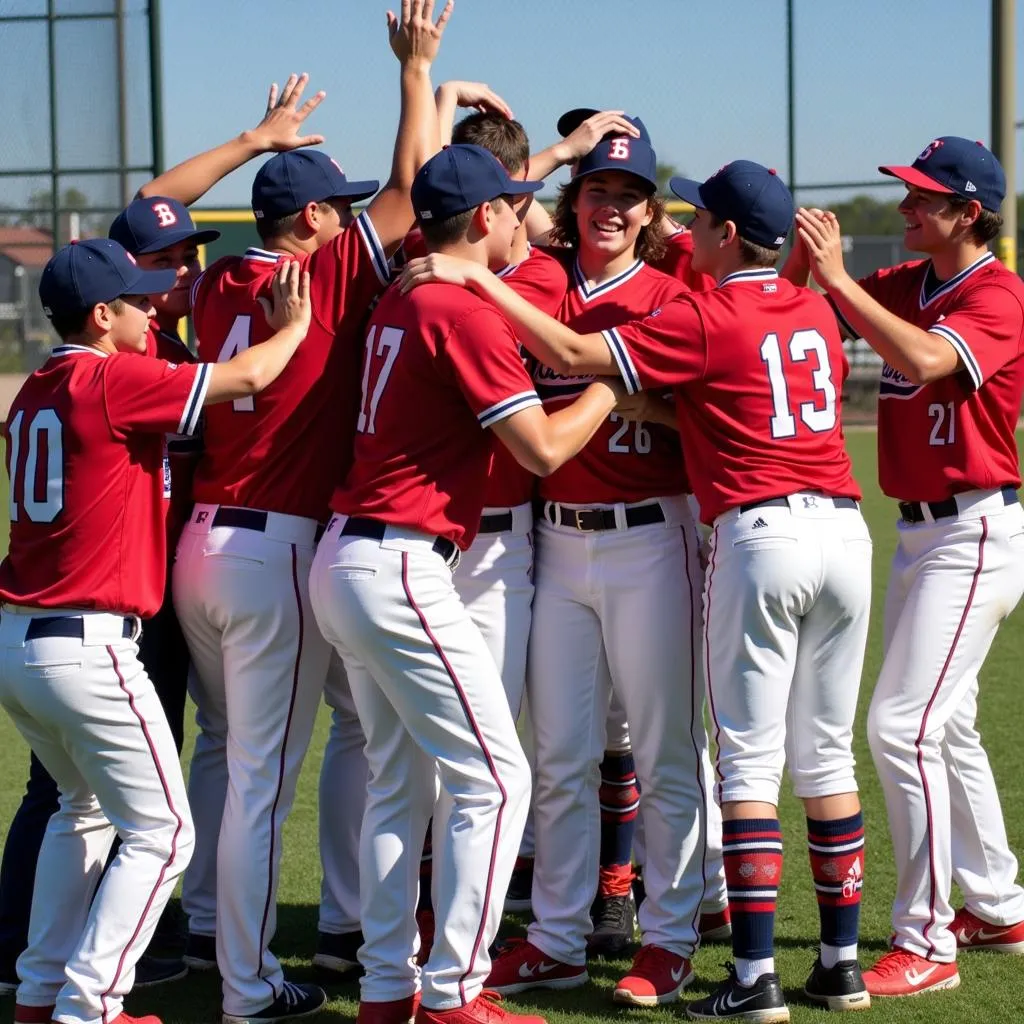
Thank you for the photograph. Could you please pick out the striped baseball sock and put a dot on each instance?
(837, 866)
(752, 851)
(620, 801)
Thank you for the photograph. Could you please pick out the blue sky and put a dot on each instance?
(876, 80)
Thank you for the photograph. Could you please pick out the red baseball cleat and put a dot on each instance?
(390, 1011)
(715, 927)
(973, 933)
(485, 1009)
(521, 966)
(900, 973)
(657, 976)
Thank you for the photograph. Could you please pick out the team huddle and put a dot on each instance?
(524, 497)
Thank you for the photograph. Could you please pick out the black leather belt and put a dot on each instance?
(374, 529)
(590, 520)
(913, 511)
(496, 522)
(784, 502)
(250, 519)
(71, 626)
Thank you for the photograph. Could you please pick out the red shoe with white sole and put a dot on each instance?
(716, 926)
(522, 966)
(657, 976)
(485, 1009)
(901, 973)
(973, 933)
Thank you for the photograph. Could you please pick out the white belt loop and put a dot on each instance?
(620, 516)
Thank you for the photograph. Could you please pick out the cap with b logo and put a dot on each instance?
(622, 153)
(82, 274)
(460, 178)
(287, 181)
(572, 119)
(753, 197)
(155, 223)
(956, 166)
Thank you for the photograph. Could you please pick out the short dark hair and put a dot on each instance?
(986, 227)
(269, 230)
(650, 243)
(752, 253)
(502, 136)
(445, 232)
(68, 325)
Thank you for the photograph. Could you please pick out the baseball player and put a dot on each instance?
(439, 365)
(160, 235)
(494, 578)
(616, 549)
(757, 368)
(950, 328)
(261, 492)
(87, 559)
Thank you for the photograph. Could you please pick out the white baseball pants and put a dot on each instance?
(951, 585)
(431, 702)
(614, 608)
(242, 598)
(90, 714)
(787, 597)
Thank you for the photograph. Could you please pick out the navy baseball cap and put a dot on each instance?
(959, 167)
(98, 270)
(572, 119)
(753, 197)
(460, 178)
(622, 153)
(149, 225)
(287, 181)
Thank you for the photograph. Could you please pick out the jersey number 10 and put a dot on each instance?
(43, 429)
(817, 418)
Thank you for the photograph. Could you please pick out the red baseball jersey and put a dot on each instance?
(85, 457)
(440, 363)
(623, 461)
(285, 449)
(542, 280)
(954, 434)
(758, 367)
(181, 452)
(678, 262)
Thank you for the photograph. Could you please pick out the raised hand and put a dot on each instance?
(478, 96)
(415, 38)
(822, 238)
(593, 130)
(279, 129)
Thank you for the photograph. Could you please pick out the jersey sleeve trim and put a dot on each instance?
(963, 350)
(843, 322)
(194, 404)
(507, 407)
(620, 354)
(194, 290)
(368, 233)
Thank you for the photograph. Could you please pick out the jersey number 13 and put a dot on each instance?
(818, 416)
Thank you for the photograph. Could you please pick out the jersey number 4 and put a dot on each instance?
(387, 345)
(44, 432)
(816, 417)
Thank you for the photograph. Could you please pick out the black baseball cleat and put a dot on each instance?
(201, 952)
(519, 898)
(614, 920)
(295, 1001)
(839, 988)
(338, 953)
(153, 970)
(761, 1003)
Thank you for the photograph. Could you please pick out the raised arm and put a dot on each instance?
(554, 344)
(277, 132)
(251, 371)
(921, 356)
(452, 95)
(415, 39)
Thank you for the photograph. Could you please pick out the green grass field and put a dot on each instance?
(993, 985)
